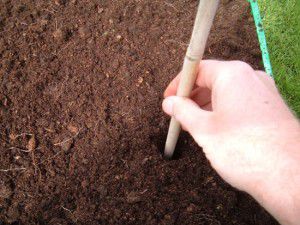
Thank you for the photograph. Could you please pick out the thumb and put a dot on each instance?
(196, 121)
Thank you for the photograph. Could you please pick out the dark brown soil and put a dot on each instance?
(81, 122)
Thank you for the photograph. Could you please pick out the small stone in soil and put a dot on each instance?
(167, 217)
(57, 2)
(119, 37)
(73, 129)
(17, 157)
(140, 80)
(58, 34)
(82, 31)
(145, 160)
(12, 136)
(191, 208)
(100, 10)
(43, 22)
(133, 197)
(66, 146)
(85, 161)
(5, 101)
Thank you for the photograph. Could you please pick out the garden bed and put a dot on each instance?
(82, 130)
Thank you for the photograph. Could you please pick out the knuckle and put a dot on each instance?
(242, 67)
(237, 69)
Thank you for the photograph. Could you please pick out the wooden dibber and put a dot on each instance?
(204, 19)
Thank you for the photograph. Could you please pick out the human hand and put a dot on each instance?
(246, 131)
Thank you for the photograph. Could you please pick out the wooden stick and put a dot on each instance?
(204, 19)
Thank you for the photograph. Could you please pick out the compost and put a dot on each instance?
(82, 130)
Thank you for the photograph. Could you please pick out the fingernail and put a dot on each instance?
(168, 105)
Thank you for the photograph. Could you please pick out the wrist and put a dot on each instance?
(279, 191)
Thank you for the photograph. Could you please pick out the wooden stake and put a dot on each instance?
(204, 19)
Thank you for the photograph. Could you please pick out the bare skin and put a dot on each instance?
(247, 132)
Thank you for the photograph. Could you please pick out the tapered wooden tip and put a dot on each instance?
(174, 130)
(168, 154)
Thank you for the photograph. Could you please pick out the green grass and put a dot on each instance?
(281, 21)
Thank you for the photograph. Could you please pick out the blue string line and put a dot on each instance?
(261, 37)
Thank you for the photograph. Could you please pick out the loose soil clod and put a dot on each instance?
(54, 74)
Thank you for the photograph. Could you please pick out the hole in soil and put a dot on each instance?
(180, 146)
(177, 154)
(159, 144)
(69, 34)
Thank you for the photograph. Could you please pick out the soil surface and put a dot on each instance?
(82, 129)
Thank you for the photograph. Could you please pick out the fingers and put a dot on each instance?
(195, 120)
(202, 96)
(207, 107)
(213, 71)
(172, 87)
(210, 71)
